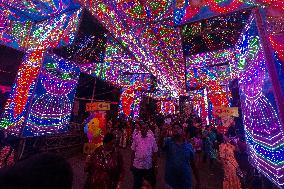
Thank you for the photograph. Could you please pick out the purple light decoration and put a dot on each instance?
(264, 131)
(54, 95)
(56, 86)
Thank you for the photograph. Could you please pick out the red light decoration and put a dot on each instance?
(190, 12)
(127, 99)
(28, 73)
(214, 6)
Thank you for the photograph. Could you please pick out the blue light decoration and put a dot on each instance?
(54, 95)
(207, 75)
(40, 10)
(263, 128)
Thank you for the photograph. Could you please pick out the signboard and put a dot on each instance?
(97, 106)
(226, 111)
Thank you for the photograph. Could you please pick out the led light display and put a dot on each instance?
(200, 103)
(275, 27)
(213, 34)
(166, 107)
(44, 35)
(264, 131)
(210, 71)
(40, 10)
(54, 95)
(188, 11)
(18, 102)
(55, 32)
(117, 19)
(129, 104)
(14, 30)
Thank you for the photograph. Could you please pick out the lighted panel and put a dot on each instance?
(263, 129)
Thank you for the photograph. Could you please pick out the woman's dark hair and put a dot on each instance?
(108, 138)
(177, 124)
(198, 120)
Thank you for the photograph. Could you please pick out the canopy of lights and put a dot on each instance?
(161, 49)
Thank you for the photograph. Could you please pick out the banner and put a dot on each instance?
(225, 111)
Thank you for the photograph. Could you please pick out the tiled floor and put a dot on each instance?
(209, 179)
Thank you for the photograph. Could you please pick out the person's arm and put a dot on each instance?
(195, 172)
(194, 168)
(132, 158)
(88, 163)
(133, 147)
(121, 171)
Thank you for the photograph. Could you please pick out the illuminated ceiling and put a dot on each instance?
(146, 28)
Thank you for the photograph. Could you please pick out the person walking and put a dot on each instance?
(231, 180)
(179, 161)
(144, 157)
(105, 166)
(6, 151)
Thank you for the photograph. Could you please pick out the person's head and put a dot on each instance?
(177, 130)
(109, 141)
(144, 129)
(43, 171)
(197, 123)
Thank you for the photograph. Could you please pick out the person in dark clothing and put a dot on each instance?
(179, 161)
(44, 171)
(232, 130)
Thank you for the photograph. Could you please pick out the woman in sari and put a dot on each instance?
(105, 166)
(231, 180)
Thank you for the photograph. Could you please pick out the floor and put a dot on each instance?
(209, 179)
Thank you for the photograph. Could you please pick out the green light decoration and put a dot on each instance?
(50, 65)
(103, 7)
(4, 123)
(138, 9)
(66, 76)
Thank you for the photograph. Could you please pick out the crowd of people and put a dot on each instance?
(184, 141)
(186, 144)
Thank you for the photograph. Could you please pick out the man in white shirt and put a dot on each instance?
(144, 157)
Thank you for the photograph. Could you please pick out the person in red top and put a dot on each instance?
(6, 151)
(105, 166)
